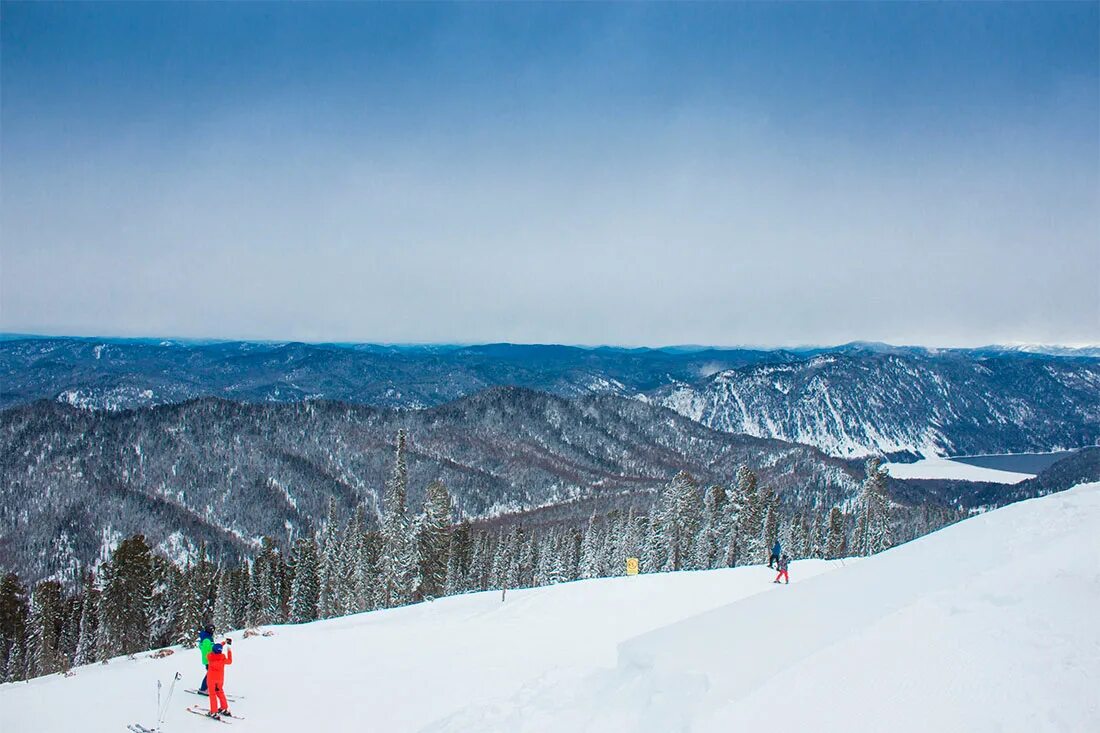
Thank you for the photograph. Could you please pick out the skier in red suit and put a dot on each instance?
(216, 679)
(783, 562)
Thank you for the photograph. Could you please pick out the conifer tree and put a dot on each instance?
(89, 614)
(328, 548)
(770, 529)
(17, 662)
(591, 562)
(398, 549)
(42, 657)
(678, 515)
(435, 541)
(747, 545)
(164, 601)
(14, 610)
(305, 588)
(835, 538)
(189, 617)
(127, 595)
(70, 630)
(713, 529)
(458, 562)
(876, 535)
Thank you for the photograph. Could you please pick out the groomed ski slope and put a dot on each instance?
(395, 670)
(988, 625)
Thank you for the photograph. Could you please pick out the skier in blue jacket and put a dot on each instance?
(777, 551)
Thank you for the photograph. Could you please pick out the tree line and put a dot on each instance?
(139, 600)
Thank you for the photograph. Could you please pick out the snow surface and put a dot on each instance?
(395, 670)
(937, 467)
(987, 625)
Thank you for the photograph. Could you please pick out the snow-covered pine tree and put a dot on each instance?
(164, 602)
(876, 509)
(305, 587)
(328, 547)
(265, 593)
(590, 550)
(434, 541)
(70, 629)
(240, 583)
(547, 562)
(834, 542)
(371, 569)
(17, 662)
(89, 615)
(398, 549)
(458, 562)
(795, 545)
(362, 578)
(103, 648)
(14, 610)
(42, 657)
(816, 538)
(746, 544)
(679, 516)
(347, 567)
(126, 598)
(189, 618)
(223, 604)
(503, 548)
(770, 528)
(707, 552)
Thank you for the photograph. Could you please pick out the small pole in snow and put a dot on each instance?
(503, 590)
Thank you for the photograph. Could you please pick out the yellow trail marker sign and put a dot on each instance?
(632, 566)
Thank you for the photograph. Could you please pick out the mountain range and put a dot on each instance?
(849, 401)
(75, 481)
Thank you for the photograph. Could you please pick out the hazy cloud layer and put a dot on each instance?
(582, 193)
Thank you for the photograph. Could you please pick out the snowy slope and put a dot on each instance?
(988, 625)
(395, 670)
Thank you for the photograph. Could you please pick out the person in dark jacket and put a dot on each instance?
(782, 564)
(777, 550)
(206, 643)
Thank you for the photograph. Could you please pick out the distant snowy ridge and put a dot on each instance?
(856, 405)
(847, 400)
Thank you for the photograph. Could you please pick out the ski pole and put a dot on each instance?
(163, 712)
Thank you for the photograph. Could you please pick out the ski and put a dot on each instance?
(206, 714)
(138, 728)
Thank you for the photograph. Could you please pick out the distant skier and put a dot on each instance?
(206, 643)
(777, 550)
(782, 563)
(217, 662)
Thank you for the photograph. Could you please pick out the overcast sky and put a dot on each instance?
(625, 174)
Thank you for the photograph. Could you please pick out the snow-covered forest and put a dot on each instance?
(140, 600)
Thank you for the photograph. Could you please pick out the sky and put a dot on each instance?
(633, 174)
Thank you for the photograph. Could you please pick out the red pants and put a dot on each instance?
(782, 574)
(217, 695)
